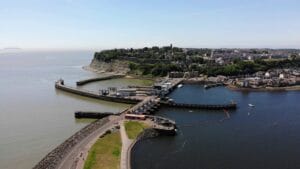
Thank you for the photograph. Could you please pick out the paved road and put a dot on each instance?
(75, 158)
(126, 143)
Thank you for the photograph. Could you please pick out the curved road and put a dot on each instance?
(75, 158)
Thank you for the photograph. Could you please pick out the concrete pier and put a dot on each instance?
(60, 85)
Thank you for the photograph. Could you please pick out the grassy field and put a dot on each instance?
(105, 153)
(134, 128)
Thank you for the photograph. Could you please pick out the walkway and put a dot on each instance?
(126, 143)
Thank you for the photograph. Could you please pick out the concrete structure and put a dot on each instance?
(60, 85)
(83, 82)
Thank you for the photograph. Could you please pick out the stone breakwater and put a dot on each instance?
(53, 159)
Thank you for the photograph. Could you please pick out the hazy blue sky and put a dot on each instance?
(96, 24)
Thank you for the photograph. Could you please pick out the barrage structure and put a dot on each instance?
(60, 85)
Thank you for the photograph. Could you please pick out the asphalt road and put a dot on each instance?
(75, 158)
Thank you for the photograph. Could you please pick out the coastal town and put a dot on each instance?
(237, 68)
(114, 84)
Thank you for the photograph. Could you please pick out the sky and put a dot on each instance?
(101, 24)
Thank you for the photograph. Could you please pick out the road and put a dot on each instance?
(75, 158)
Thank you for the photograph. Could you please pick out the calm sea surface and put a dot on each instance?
(264, 137)
(34, 117)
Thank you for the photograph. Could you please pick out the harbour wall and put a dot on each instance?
(59, 85)
(83, 82)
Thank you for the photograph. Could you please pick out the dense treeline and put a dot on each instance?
(153, 53)
(158, 61)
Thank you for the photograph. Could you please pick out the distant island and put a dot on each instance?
(11, 49)
(237, 68)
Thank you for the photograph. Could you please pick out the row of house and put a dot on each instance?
(271, 78)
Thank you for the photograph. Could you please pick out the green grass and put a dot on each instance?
(134, 128)
(105, 153)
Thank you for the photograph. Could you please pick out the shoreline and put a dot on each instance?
(266, 89)
(235, 88)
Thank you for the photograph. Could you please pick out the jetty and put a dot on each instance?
(83, 82)
(61, 86)
(200, 106)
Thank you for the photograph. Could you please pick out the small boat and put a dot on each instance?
(180, 86)
(251, 105)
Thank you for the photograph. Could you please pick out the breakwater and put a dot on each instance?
(53, 159)
(200, 106)
(83, 82)
(93, 115)
(60, 85)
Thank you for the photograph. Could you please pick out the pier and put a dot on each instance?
(83, 82)
(200, 106)
(61, 86)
